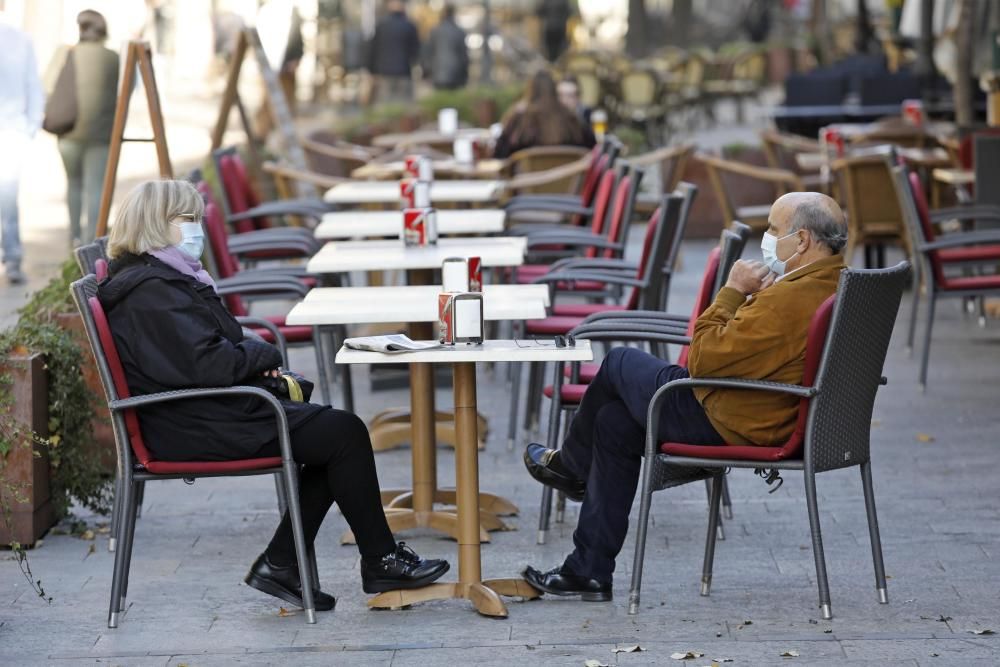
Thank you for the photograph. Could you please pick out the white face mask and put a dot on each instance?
(769, 248)
(192, 241)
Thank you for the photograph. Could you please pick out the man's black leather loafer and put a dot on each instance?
(557, 582)
(402, 569)
(544, 465)
(283, 582)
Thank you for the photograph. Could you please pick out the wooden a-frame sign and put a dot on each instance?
(138, 54)
(249, 39)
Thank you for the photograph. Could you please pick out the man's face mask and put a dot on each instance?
(769, 248)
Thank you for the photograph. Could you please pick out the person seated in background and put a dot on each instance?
(756, 329)
(569, 94)
(540, 119)
(172, 331)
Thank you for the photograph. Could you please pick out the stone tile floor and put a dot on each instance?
(934, 464)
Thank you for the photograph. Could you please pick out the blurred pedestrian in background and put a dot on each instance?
(553, 14)
(445, 56)
(21, 103)
(540, 119)
(394, 50)
(84, 146)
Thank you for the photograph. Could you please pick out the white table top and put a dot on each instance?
(387, 192)
(491, 350)
(394, 293)
(428, 136)
(337, 305)
(359, 224)
(341, 256)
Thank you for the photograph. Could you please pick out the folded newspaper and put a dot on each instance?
(392, 344)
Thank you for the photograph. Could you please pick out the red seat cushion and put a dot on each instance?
(588, 371)
(584, 309)
(552, 326)
(971, 283)
(741, 452)
(292, 334)
(970, 254)
(570, 393)
(211, 467)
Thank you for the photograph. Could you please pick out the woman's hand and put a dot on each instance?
(273, 373)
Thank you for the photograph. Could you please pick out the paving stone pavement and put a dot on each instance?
(934, 462)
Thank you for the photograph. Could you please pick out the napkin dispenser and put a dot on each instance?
(461, 274)
(419, 226)
(460, 318)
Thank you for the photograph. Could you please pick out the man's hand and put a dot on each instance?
(749, 277)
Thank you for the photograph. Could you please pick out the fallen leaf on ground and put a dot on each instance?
(722, 659)
(718, 634)
(283, 612)
(828, 631)
(934, 655)
(103, 530)
(92, 548)
(594, 663)
(627, 649)
(984, 631)
(87, 535)
(924, 437)
(687, 655)
(789, 654)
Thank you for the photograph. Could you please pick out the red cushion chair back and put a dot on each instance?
(926, 226)
(239, 192)
(647, 247)
(101, 269)
(704, 299)
(602, 202)
(599, 165)
(618, 209)
(121, 390)
(218, 240)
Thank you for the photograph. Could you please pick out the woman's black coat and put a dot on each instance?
(173, 332)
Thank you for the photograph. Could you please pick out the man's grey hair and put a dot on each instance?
(818, 220)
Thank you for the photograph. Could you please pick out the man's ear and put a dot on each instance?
(805, 240)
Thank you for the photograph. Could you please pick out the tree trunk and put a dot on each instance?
(680, 21)
(636, 43)
(820, 29)
(963, 64)
(924, 68)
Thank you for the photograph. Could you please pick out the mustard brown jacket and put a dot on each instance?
(759, 338)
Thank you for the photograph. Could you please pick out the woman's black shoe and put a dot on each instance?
(400, 570)
(544, 465)
(283, 582)
(557, 582)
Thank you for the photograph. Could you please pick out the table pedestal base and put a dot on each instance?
(445, 522)
(391, 429)
(485, 596)
(488, 502)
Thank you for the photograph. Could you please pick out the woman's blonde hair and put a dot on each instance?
(143, 220)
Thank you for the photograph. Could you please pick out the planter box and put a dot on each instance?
(102, 446)
(32, 518)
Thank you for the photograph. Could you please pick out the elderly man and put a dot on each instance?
(755, 329)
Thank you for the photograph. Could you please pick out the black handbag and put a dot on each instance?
(289, 386)
(61, 107)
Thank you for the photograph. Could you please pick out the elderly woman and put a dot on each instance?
(172, 331)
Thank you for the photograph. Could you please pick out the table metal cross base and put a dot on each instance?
(485, 596)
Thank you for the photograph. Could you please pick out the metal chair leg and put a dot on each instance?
(817, 543)
(298, 536)
(711, 536)
(560, 507)
(727, 502)
(645, 502)
(128, 539)
(552, 442)
(873, 535)
(116, 509)
(931, 302)
(140, 496)
(313, 567)
(719, 528)
(124, 508)
(279, 487)
(532, 404)
(914, 307)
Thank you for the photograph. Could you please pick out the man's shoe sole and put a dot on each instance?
(397, 585)
(271, 588)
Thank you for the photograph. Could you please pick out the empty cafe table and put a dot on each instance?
(450, 222)
(432, 136)
(484, 595)
(450, 168)
(340, 257)
(442, 192)
(418, 305)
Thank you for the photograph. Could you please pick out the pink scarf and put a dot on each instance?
(179, 261)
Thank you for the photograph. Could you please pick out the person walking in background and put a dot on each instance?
(394, 50)
(21, 103)
(540, 119)
(445, 56)
(84, 148)
(554, 15)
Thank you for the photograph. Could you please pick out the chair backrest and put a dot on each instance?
(603, 198)
(732, 241)
(688, 191)
(838, 426)
(237, 191)
(966, 147)
(916, 215)
(639, 87)
(780, 149)
(541, 158)
(704, 298)
(128, 435)
(670, 161)
(626, 192)
(986, 164)
(101, 269)
(870, 195)
(88, 254)
(888, 88)
(815, 89)
(226, 265)
(720, 171)
(656, 244)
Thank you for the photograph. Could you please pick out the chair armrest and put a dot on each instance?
(306, 248)
(767, 174)
(625, 333)
(966, 212)
(960, 239)
(261, 323)
(606, 264)
(653, 411)
(311, 177)
(541, 197)
(572, 240)
(546, 176)
(597, 276)
(276, 286)
(648, 324)
(303, 207)
(553, 206)
(641, 315)
(238, 243)
(237, 390)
